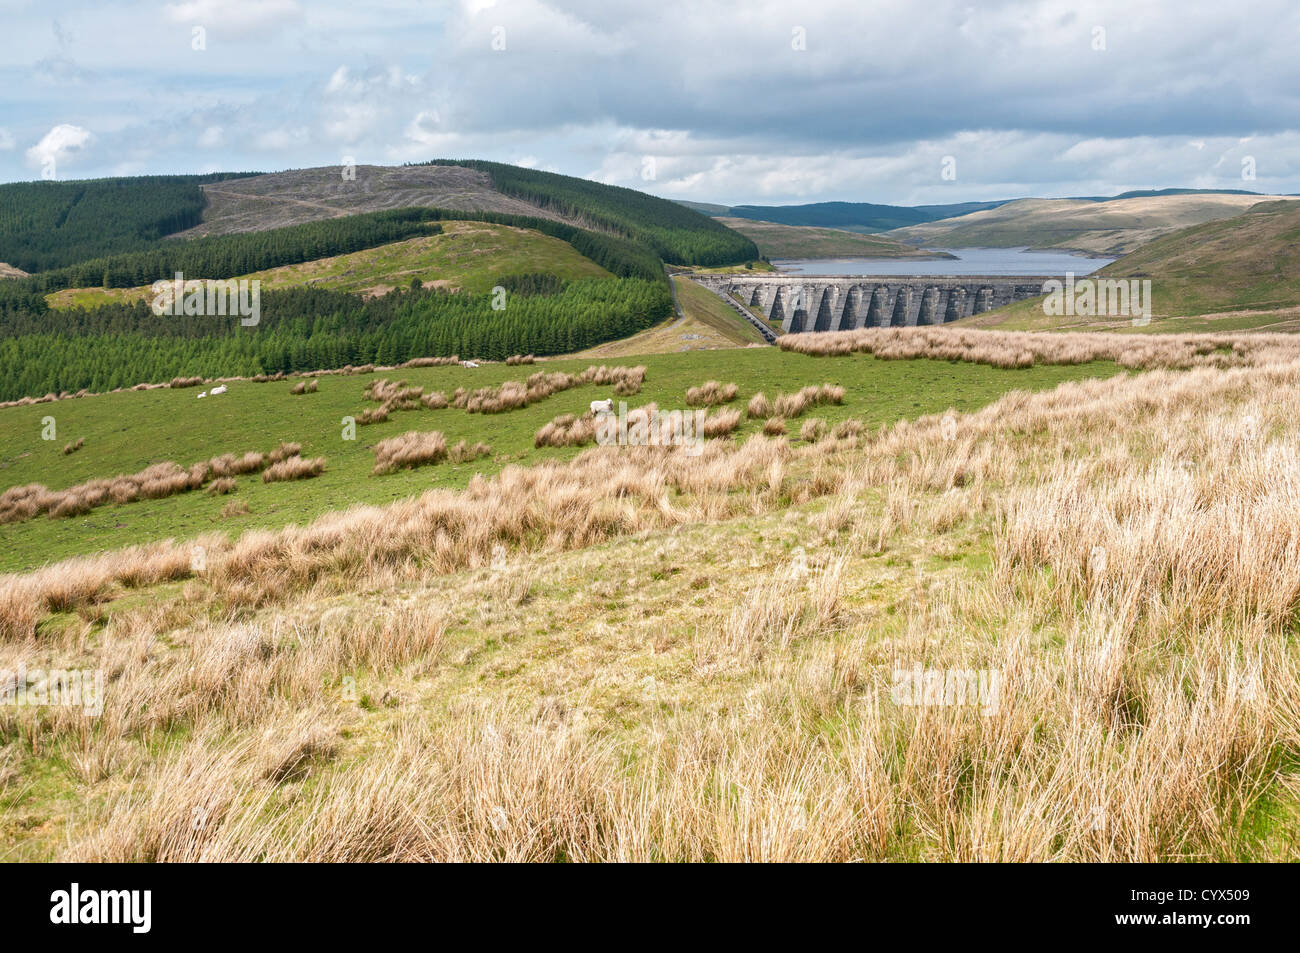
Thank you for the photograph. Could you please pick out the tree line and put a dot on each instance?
(306, 329)
(47, 225)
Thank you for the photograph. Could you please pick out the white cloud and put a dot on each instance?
(58, 144)
(280, 139)
(232, 16)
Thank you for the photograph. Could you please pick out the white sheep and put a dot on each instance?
(218, 390)
(602, 406)
(204, 394)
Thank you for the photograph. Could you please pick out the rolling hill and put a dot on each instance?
(582, 264)
(463, 256)
(1112, 227)
(307, 195)
(804, 241)
(1240, 273)
(854, 216)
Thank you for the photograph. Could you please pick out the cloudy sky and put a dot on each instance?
(749, 102)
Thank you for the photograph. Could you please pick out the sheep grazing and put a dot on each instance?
(218, 390)
(204, 394)
(603, 406)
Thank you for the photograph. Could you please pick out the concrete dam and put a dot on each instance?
(845, 302)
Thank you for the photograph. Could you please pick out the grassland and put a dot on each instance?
(637, 655)
(801, 241)
(126, 432)
(467, 256)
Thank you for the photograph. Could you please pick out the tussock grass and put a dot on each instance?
(720, 423)
(710, 394)
(155, 482)
(411, 449)
(1019, 349)
(293, 468)
(654, 656)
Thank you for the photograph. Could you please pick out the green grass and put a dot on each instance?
(126, 432)
(704, 306)
(469, 256)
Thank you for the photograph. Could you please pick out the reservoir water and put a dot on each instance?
(969, 261)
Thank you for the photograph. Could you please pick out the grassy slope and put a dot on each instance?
(469, 256)
(707, 324)
(126, 432)
(1240, 273)
(800, 241)
(1101, 228)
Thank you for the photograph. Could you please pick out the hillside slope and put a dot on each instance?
(464, 256)
(1251, 261)
(306, 195)
(676, 234)
(1241, 273)
(1114, 227)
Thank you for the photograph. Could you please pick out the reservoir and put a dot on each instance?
(968, 261)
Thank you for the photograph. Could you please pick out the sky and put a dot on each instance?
(751, 102)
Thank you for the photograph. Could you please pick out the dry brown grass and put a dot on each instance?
(812, 430)
(305, 387)
(567, 430)
(1014, 349)
(710, 394)
(682, 684)
(796, 404)
(759, 407)
(721, 423)
(293, 468)
(394, 396)
(155, 482)
(411, 449)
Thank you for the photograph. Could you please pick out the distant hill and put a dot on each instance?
(803, 241)
(1249, 262)
(1240, 273)
(854, 216)
(1110, 227)
(1151, 193)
